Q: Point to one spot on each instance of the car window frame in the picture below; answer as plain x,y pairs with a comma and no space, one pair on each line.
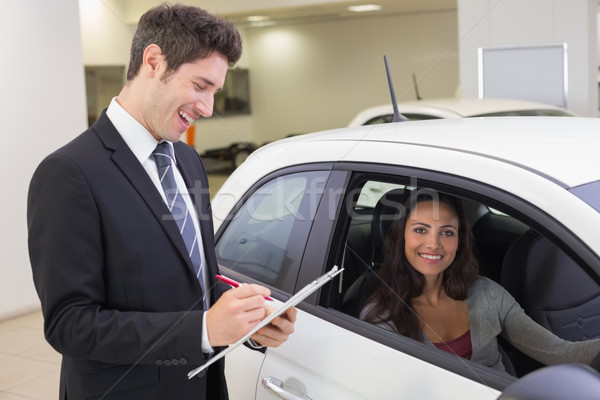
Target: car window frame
346,174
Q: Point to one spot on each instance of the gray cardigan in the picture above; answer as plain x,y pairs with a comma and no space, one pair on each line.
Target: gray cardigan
493,311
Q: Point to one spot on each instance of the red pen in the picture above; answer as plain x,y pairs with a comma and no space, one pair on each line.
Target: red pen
234,284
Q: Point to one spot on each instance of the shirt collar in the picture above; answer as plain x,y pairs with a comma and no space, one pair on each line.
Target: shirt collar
140,141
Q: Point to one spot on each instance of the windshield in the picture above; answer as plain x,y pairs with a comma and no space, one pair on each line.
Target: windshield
590,193
387,118
384,119
527,113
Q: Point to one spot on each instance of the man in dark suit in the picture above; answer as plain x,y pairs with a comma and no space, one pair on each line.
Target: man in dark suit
122,298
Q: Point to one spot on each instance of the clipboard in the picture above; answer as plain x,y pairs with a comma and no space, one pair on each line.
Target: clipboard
292,301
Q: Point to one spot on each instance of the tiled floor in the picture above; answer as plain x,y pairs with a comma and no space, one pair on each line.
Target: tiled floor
29,367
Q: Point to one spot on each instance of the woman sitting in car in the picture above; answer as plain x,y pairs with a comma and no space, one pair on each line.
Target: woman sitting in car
428,288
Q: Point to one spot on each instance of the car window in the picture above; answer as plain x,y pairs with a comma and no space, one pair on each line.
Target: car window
511,251
266,237
381,119
372,191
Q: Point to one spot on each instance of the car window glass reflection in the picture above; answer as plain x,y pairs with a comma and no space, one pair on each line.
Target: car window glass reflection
267,235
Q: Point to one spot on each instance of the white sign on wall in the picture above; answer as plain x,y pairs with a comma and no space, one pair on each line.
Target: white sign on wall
536,73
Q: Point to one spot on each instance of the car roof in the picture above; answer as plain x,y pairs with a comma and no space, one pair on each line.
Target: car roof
454,108
562,149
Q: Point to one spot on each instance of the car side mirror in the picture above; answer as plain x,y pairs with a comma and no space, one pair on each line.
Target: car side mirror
558,382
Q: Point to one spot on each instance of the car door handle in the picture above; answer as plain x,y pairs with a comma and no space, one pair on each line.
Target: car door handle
275,386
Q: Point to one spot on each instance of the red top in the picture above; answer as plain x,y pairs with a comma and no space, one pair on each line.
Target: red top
461,346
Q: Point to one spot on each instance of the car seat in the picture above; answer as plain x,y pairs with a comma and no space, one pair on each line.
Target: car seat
493,235
388,208
552,289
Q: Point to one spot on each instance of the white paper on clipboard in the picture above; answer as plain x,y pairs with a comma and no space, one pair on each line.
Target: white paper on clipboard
292,301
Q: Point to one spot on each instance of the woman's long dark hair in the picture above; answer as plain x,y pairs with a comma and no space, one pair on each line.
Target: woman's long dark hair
397,282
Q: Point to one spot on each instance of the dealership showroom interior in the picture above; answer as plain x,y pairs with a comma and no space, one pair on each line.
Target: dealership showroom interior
354,69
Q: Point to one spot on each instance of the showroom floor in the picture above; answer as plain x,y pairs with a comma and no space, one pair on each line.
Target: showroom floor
29,367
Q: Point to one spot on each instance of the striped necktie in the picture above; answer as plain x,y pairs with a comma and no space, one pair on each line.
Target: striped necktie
179,211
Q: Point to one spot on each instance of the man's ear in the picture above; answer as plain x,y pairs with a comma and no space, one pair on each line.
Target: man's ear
152,60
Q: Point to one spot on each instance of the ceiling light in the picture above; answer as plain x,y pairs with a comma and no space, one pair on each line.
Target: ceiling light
257,18
262,24
364,8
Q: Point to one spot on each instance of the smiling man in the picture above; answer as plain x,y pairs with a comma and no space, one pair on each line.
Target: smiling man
121,235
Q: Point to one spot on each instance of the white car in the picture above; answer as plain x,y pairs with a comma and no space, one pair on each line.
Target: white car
299,206
457,108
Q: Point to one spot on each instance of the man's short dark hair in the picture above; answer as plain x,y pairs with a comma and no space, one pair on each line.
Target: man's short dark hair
184,34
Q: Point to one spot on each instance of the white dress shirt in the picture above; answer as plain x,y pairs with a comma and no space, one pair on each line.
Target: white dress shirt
142,144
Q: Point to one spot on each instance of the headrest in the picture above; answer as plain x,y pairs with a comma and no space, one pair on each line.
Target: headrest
388,209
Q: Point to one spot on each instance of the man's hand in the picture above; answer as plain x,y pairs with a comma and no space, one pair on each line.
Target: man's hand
235,314
278,330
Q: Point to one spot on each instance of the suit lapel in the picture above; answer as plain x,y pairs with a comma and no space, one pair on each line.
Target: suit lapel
135,173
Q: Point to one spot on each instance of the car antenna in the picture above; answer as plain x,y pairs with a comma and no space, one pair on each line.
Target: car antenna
397,116
416,86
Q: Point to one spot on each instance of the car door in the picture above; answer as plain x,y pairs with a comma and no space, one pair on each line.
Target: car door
322,360
263,241
333,354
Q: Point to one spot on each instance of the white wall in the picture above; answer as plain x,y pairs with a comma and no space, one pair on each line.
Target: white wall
105,35
42,106
135,8
534,22
302,89
309,77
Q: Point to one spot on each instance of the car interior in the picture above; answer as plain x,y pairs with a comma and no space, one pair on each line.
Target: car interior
551,287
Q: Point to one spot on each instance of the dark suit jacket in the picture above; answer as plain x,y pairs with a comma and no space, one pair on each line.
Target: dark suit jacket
119,295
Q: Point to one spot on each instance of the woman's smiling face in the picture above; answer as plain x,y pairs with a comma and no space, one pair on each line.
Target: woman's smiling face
431,237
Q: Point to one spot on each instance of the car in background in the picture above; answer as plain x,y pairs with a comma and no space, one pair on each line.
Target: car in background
233,155
444,108
301,205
